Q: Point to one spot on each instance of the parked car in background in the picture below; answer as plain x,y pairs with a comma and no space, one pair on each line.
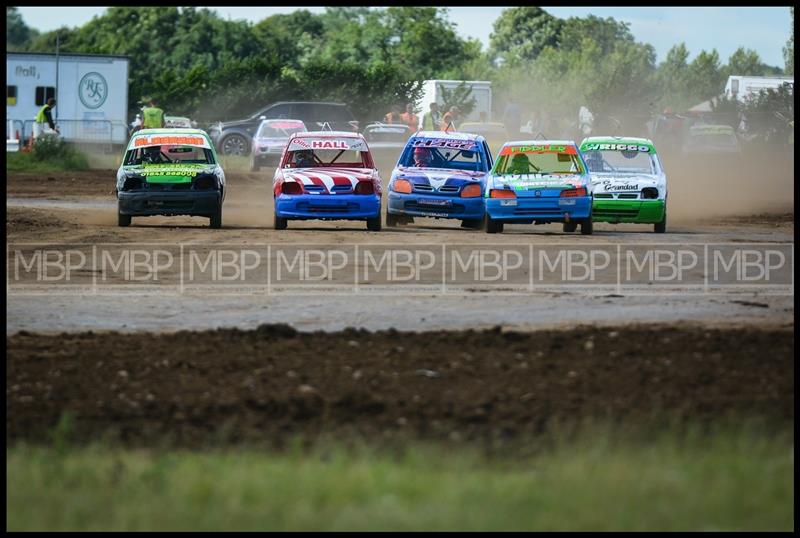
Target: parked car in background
270,140
179,122
329,176
235,137
386,142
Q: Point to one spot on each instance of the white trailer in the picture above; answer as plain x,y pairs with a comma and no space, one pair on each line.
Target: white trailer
744,88
481,91
91,94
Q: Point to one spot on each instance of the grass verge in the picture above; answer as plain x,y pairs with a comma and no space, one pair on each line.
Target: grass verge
732,479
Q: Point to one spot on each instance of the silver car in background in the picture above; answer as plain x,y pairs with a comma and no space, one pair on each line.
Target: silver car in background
270,139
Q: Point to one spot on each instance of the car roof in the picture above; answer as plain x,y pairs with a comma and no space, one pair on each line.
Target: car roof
328,134
617,140
455,135
171,131
540,143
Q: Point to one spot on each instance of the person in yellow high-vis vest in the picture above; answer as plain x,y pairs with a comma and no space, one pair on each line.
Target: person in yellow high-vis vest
152,116
43,123
431,120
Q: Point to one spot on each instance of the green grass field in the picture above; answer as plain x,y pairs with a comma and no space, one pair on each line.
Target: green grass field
731,480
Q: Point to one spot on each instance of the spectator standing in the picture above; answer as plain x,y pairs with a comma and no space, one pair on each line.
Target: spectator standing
153,117
431,119
409,118
43,123
394,116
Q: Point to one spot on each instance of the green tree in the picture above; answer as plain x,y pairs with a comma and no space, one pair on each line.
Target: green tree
522,33
706,78
744,62
18,34
788,50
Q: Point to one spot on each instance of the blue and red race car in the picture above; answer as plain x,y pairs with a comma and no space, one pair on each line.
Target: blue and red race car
440,175
328,175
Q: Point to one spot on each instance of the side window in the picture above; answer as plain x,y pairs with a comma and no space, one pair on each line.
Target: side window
279,112
43,93
11,95
489,162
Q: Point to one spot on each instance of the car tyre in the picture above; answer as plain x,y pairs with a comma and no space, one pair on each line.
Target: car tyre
661,227
235,144
280,223
374,224
216,218
587,226
123,220
492,226
473,224
392,221
570,226
255,166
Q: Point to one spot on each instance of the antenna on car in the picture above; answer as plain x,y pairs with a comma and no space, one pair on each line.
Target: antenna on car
326,126
540,136
447,129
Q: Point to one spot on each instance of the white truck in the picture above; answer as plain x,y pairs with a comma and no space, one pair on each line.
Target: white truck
432,92
91,92
743,88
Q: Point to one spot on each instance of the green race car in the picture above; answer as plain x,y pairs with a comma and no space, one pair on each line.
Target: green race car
629,183
170,172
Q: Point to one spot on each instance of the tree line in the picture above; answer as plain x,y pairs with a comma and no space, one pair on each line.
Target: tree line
203,66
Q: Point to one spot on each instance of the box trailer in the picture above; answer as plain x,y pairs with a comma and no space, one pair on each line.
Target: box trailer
743,88
481,91
91,92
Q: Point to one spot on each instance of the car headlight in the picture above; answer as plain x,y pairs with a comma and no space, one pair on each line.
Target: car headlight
649,193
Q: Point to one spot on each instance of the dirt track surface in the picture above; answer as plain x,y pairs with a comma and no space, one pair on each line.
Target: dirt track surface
79,208
268,385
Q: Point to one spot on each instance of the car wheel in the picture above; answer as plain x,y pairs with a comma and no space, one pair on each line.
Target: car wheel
123,220
235,144
570,226
216,218
473,224
587,227
492,226
255,165
374,224
661,227
392,221
280,223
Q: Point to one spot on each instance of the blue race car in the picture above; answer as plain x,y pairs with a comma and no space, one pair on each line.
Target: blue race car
539,181
440,175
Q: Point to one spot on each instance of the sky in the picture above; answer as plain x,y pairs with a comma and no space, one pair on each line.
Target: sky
763,29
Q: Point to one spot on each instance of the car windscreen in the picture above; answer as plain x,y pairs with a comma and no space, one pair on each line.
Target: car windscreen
444,153
613,161
552,160
310,158
165,154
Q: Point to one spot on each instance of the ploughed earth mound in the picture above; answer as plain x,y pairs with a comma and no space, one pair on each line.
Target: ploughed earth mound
274,383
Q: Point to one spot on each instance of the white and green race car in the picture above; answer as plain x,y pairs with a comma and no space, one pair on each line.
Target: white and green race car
629,184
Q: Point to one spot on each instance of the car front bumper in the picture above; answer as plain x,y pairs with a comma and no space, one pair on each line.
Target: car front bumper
169,203
328,206
527,209
635,211
448,207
